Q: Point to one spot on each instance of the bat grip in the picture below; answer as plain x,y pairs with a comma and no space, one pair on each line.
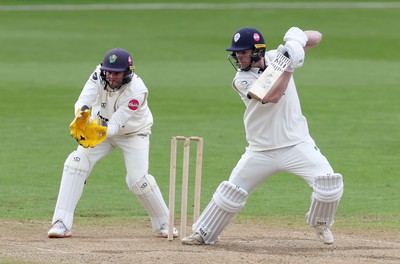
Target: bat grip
286,55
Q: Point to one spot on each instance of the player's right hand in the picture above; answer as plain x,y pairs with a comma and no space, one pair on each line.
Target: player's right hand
295,52
80,122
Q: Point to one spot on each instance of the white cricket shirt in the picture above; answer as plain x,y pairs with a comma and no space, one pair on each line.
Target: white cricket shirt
271,126
126,111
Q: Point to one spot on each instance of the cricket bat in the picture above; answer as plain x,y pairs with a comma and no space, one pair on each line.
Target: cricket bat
267,79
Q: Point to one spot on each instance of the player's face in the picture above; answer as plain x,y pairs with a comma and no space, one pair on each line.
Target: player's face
244,58
114,78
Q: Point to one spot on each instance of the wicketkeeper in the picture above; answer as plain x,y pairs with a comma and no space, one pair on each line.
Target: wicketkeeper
111,111
277,135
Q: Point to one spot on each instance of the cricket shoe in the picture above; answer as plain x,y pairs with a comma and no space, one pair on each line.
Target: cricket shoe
164,231
59,230
324,234
193,239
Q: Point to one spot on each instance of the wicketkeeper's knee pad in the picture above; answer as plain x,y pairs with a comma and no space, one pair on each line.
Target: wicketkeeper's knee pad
227,201
327,192
76,170
77,163
149,195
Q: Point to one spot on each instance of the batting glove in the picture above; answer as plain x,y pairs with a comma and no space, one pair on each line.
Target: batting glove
296,34
295,52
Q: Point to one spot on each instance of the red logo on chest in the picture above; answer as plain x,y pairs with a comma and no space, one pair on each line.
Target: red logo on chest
133,104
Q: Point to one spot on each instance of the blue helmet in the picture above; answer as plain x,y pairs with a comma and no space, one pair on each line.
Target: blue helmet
117,60
245,39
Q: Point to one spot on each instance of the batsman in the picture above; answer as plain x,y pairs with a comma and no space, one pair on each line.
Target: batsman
112,111
277,134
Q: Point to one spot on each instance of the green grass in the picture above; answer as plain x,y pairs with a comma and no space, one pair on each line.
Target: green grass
47,2
348,87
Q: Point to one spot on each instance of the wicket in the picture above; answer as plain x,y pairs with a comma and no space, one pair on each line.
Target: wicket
185,183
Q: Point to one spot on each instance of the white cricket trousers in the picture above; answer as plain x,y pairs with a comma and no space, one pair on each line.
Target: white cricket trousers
135,150
304,160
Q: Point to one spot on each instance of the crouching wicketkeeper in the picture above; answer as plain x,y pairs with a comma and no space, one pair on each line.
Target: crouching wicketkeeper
111,111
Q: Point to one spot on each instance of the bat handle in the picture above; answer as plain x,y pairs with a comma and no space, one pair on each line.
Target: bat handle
286,55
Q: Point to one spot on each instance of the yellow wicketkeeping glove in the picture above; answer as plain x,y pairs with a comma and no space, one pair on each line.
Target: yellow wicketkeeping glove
80,122
94,134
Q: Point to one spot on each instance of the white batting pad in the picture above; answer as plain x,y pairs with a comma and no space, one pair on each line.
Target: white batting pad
150,197
76,170
227,201
327,191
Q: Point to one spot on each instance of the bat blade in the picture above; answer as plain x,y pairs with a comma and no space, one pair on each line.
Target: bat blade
267,79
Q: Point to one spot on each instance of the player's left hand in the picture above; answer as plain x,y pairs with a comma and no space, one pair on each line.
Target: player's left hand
296,34
94,134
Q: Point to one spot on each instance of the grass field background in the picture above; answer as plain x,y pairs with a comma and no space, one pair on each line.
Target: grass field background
349,88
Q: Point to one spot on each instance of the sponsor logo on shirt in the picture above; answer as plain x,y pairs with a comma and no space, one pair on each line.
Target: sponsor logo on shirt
133,104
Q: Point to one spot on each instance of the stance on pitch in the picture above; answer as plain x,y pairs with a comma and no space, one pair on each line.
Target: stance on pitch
278,139
111,111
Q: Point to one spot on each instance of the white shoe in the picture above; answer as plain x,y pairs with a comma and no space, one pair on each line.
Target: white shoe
324,234
59,230
193,239
164,231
